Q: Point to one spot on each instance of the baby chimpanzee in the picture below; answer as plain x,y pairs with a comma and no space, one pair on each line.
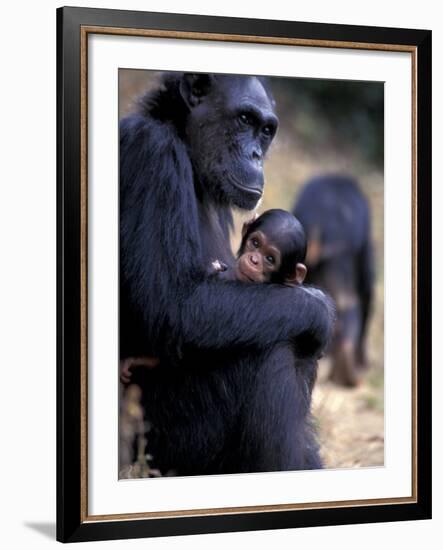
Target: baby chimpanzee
272,250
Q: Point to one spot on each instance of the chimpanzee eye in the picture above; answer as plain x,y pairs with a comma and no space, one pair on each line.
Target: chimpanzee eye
270,259
255,243
246,118
268,131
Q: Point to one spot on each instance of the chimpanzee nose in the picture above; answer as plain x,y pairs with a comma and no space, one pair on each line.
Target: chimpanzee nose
257,154
254,259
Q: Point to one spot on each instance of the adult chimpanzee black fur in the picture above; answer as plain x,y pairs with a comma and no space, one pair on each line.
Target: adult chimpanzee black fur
226,396
336,218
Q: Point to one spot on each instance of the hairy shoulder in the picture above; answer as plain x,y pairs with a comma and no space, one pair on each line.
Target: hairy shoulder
152,155
147,132
158,210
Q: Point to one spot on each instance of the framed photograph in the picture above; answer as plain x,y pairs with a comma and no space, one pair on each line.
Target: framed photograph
244,274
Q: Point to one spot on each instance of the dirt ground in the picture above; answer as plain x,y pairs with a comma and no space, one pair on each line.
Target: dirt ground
350,423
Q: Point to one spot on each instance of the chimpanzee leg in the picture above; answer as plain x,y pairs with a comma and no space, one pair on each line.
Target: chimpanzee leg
275,419
365,288
345,345
235,415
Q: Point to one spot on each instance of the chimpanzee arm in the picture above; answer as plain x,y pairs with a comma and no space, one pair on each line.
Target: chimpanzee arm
220,314
162,269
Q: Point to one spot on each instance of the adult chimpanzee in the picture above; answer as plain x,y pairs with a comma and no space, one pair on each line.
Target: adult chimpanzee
225,396
336,218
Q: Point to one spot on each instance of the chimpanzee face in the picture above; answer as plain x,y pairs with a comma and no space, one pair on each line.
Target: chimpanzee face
259,260
230,126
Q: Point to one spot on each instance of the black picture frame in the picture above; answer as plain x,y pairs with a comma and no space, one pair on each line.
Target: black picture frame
72,521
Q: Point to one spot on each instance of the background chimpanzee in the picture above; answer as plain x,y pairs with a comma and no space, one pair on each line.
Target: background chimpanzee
272,250
225,396
336,218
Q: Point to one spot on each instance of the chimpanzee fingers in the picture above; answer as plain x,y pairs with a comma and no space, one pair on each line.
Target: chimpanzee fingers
148,362
124,379
125,371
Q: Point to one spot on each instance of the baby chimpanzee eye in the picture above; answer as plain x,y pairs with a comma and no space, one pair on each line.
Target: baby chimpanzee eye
270,259
255,243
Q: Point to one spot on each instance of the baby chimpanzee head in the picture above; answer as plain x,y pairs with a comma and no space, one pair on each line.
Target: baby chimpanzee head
273,249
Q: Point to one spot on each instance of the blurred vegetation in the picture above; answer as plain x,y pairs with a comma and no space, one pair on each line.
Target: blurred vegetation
334,114
326,126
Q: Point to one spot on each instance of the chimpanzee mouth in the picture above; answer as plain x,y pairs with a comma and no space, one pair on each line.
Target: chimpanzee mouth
244,276
252,190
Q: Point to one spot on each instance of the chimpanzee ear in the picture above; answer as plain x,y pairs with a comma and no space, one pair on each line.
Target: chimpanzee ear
194,87
298,276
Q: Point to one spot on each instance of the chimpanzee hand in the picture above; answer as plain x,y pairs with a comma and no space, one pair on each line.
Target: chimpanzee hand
126,366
